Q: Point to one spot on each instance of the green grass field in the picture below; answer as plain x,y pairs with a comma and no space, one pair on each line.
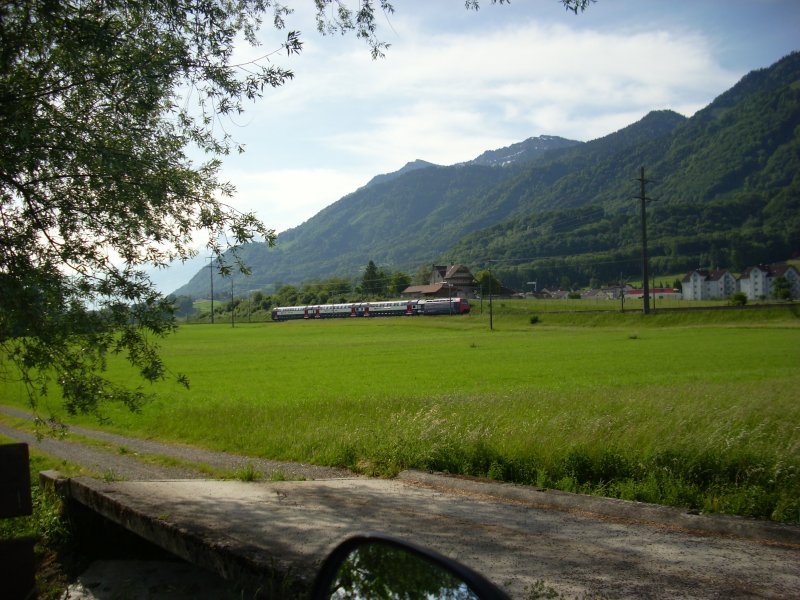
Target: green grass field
693,409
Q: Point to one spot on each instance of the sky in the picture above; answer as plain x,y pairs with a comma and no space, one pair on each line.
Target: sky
455,83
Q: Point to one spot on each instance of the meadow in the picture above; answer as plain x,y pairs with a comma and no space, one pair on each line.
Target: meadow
697,409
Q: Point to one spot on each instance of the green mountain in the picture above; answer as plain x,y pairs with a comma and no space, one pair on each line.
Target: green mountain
725,189
409,167
725,185
523,152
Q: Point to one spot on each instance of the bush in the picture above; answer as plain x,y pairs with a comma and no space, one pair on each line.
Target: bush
738,299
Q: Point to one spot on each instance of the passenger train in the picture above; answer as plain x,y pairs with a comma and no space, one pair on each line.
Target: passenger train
387,308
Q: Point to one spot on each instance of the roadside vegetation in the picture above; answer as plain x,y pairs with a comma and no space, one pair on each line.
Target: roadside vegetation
56,558
696,409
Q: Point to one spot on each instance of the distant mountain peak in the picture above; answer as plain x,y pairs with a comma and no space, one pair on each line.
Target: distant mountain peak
522,152
414,165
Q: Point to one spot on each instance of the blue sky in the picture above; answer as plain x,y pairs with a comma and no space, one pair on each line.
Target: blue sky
455,83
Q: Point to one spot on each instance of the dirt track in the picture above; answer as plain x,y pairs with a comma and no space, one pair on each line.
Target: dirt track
504,532
126,458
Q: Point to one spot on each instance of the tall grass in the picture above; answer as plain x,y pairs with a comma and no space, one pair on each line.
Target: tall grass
696,410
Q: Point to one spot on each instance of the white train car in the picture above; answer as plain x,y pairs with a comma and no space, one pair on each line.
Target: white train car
383,308
443,306
387,308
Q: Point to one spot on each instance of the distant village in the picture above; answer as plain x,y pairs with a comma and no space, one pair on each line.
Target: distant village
760,282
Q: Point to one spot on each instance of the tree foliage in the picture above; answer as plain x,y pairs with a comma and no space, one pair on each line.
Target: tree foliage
782,288
183,306
104,109
95,181
574,6
381,570
488,283
738,299
102,106
374,281
398,282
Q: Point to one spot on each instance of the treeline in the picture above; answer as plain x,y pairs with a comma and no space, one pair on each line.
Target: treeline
593,244
374,283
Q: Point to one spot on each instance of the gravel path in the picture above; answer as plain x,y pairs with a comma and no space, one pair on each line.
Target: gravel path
505,532
133,459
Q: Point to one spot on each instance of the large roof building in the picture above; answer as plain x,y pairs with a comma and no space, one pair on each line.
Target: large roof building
445,282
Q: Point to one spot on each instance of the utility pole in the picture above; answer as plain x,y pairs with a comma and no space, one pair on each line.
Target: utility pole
645,277
211,272
654,291
491,313
450,296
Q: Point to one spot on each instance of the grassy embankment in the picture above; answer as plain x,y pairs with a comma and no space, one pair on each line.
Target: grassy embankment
696,409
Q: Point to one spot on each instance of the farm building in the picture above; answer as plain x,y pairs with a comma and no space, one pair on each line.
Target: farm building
445,282
659,293
604,294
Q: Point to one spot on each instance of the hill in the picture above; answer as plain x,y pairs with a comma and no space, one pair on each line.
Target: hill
726,183
408,168
523,152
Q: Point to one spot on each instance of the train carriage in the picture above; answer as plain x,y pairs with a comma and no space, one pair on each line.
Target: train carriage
444,306
383,308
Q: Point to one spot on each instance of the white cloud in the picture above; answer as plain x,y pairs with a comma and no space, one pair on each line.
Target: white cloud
284,198
447,97
457,93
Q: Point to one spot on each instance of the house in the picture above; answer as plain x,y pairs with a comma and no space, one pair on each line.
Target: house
445,282
708,285
435,290
655,293
759,281
555,294
607,293
457,276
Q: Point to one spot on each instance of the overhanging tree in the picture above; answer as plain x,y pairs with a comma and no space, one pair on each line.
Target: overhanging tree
101,105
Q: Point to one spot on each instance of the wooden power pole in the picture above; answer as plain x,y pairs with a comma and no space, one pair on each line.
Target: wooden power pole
211,272
645,275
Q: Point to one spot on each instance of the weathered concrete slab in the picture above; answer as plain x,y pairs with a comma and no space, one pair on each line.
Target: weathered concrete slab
623,511
275,534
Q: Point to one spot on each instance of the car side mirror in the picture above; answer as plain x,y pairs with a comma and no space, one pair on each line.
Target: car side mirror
377,566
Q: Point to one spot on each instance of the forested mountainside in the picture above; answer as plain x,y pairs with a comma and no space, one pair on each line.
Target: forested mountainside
411,166
725,189
725,185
